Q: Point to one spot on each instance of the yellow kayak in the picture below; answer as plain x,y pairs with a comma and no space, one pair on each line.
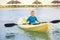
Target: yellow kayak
43,27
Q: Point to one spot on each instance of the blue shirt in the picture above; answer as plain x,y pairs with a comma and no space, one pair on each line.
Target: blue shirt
32,20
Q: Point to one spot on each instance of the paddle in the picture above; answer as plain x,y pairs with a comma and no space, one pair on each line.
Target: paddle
13,24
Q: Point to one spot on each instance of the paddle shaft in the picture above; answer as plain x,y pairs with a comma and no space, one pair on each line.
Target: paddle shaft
13,24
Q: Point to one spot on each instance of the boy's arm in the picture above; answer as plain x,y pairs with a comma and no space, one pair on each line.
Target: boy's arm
37,20
27,21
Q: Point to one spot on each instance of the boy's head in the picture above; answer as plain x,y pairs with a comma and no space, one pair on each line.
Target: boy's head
32,13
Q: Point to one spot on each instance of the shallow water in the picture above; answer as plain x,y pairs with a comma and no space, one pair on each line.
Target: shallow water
14,33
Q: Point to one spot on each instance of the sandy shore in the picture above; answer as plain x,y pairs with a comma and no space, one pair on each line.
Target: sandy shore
27,8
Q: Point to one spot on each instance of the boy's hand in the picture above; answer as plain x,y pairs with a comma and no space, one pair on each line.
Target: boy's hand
25,23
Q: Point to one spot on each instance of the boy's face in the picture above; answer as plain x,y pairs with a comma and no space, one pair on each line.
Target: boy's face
33,13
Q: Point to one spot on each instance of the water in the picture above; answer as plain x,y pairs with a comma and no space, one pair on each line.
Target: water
14,33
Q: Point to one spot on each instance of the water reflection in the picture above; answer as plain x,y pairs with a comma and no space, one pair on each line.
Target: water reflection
38,36
10,36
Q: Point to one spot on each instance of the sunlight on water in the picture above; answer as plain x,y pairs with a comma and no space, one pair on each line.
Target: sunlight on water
14,33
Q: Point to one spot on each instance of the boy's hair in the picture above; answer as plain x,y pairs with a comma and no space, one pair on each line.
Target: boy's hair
32,11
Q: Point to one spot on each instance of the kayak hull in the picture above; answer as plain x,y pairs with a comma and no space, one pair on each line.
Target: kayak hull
43,27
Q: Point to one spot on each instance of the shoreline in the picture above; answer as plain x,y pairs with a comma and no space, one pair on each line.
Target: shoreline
27,6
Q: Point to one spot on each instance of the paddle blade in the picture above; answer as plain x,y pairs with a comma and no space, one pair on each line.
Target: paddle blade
55,21
10,24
